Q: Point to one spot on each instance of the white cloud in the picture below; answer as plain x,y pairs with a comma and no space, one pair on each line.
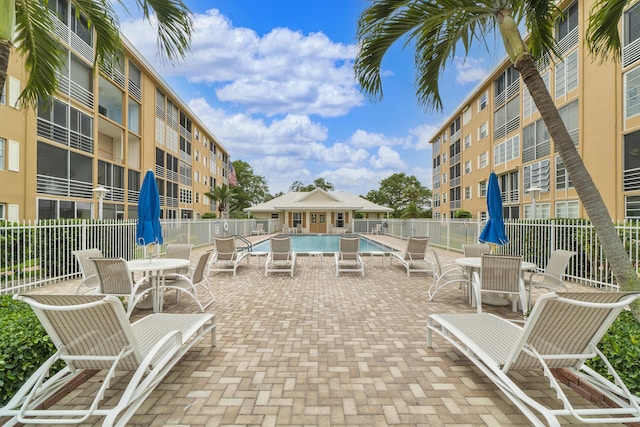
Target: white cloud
424,134
469,70
362,138
282,72
388,158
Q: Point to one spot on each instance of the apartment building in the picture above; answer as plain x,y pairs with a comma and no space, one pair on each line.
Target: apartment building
103,129
498,128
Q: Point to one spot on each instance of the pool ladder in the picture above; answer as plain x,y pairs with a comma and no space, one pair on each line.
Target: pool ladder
249,245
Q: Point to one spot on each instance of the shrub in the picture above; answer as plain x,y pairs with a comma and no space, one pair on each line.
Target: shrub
24,343
621,345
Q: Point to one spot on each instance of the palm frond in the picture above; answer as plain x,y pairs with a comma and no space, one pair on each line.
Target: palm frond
43,55
104,20
174,26
603,37
540,18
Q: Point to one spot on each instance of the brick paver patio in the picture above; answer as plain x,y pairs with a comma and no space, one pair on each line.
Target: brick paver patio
316,349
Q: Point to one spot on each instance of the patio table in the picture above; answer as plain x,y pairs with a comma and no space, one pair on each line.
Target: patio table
473,264
156,268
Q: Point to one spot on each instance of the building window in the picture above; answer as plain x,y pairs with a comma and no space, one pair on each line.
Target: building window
467,193
566,73
506,151
632,92
631,174
275,216
566,209
482,102
632,206
569,115
536,141
467,141
506,85
454,128
483,160
631,30
483,130
542,211
567,22
297,219
537,175
482,189
528,106
467,167
444,177
509,188
466,116
506,119
3,150
563,181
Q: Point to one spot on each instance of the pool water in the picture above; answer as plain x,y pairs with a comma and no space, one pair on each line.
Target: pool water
321,243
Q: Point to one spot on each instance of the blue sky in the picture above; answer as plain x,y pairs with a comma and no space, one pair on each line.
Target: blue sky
273,80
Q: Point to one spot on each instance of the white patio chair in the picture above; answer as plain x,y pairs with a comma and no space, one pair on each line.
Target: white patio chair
92,332
191,282
414,256
475,250
348,257
551,277
179,251
280,259
562,331
90,279
445,275
499,274
377,229
116,279
226,256
259,229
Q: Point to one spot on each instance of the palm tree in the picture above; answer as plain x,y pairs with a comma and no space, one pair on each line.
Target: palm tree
221,195
43,54
437,27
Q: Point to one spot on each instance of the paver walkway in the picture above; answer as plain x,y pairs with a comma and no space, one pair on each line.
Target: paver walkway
317,350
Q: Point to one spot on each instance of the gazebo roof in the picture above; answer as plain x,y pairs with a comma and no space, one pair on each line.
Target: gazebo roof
318,199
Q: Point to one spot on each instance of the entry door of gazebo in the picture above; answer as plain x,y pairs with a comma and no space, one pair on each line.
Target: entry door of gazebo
318,222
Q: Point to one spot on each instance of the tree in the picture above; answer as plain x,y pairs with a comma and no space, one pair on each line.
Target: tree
317,183
436,28
222,195
251,189
398,191
43,53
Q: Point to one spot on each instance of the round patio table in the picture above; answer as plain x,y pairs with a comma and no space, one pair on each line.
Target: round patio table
156,268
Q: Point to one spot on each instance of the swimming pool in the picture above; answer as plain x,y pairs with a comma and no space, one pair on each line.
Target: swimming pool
321,243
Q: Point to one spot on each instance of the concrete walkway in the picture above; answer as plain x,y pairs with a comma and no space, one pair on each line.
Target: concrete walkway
316,349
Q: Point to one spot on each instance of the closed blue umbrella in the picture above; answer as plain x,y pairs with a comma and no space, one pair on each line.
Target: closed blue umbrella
148,228
494,231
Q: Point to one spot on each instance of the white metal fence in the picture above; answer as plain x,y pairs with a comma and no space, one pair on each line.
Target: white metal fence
37,254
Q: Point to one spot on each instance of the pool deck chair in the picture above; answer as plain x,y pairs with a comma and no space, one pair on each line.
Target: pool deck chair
92,332
193,280
414,256
280,259
445,275
226,257
499,275
90,280
562,331
475,249
551,277
348,257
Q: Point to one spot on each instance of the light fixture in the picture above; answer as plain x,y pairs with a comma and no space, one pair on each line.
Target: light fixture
535,194
100,192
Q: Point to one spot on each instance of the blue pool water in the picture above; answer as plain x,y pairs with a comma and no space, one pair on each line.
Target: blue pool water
321,243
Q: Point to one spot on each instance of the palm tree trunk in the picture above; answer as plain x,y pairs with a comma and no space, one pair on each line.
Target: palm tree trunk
613,248
5,50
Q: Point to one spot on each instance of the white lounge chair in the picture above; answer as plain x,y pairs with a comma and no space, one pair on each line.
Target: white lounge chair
414,256
259,229
562,331
226,256
348,257
280,259
445,275
90,279
192,281
377,229
499,274
92,332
